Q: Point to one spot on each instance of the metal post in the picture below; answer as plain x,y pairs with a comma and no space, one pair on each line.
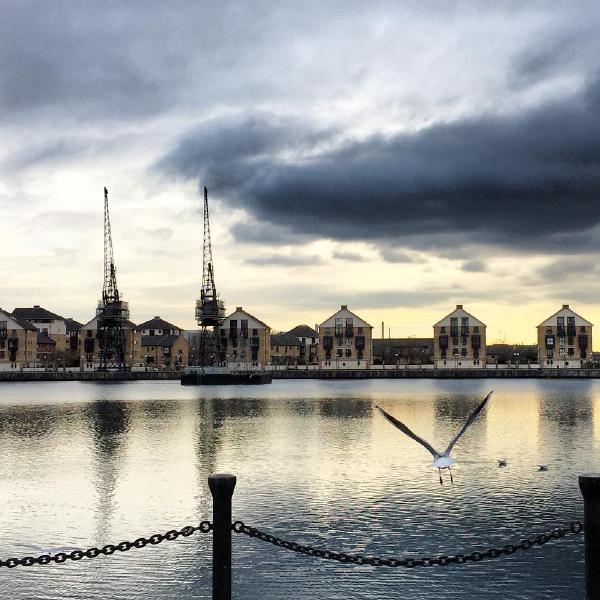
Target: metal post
590,489
221,487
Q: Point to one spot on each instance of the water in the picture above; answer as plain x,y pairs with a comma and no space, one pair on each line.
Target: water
88,464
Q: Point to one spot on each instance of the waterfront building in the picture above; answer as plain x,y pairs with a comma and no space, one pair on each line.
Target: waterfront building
163,345
564,340
73,328
47,323
511,354
459,341
89,348
46,348
18,341
245,340
309,340
285,349
345,341
403,351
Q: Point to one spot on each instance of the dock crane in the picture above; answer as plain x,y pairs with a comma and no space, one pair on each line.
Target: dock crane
210,310
112,310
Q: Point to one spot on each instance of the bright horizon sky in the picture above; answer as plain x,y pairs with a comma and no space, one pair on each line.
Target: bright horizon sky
400,159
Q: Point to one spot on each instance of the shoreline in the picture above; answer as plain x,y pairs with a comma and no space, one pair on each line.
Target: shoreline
24,376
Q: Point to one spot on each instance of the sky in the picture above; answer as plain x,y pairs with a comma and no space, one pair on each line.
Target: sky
398,158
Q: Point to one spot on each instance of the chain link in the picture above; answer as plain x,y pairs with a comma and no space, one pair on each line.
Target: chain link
108,549
409,562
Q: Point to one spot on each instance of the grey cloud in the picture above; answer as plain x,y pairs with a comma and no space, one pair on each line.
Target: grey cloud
474,266
284,260
567,268
349,256
396,255
255,232
529,181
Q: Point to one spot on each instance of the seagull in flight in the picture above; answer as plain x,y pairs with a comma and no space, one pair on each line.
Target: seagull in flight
441,460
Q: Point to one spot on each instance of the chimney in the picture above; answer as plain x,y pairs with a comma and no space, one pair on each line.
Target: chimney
382,330
36,306
459,306
565,306
344,307
157,317
238,308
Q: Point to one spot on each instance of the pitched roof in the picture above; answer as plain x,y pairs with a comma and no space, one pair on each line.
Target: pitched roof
36,313
73,325
126,323
239,309
44,340
160,340
301,331
565,310
344,309
24,323
285,339
158,323
459,309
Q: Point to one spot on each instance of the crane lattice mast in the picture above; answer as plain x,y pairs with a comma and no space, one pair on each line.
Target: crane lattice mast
112,311
210,310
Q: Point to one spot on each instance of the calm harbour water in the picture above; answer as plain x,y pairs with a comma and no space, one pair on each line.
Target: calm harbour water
86,464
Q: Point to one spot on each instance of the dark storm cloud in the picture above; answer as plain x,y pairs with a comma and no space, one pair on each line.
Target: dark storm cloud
397,255
349,256
255,232
284,260
529,181
474,266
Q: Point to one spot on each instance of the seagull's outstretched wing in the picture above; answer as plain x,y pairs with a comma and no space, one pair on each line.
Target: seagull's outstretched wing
404,429
468,422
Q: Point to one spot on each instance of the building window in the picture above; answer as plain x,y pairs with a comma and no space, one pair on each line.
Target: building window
463,351
475,328
443,329
454,326
348,353
339,353
454,351
339,327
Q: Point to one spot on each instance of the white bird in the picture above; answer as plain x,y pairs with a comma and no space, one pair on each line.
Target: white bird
502,462
441,460
542,467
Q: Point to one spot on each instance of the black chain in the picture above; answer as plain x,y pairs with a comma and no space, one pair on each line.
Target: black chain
61,557
359,559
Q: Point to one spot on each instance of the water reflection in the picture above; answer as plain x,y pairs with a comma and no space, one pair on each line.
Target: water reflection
109,423
315,462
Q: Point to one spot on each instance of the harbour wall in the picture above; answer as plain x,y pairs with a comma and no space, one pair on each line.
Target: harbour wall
315,374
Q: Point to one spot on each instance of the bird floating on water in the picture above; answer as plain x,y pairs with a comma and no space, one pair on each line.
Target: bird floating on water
542,467
441,460
502,462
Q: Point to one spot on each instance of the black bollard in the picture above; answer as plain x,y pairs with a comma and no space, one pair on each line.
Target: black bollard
221,487
590,489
